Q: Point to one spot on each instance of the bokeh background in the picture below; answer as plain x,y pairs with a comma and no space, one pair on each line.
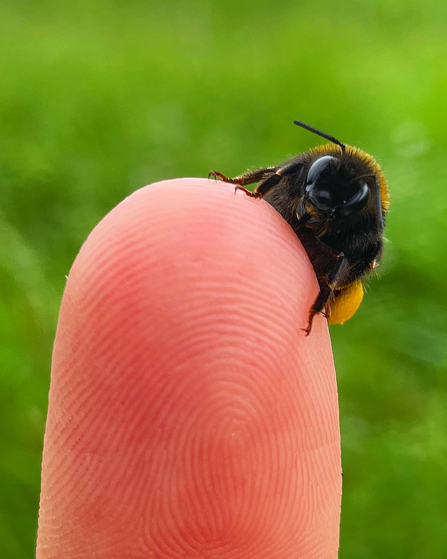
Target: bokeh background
100,97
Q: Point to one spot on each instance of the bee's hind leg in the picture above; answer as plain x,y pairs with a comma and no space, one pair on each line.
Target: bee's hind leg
328,285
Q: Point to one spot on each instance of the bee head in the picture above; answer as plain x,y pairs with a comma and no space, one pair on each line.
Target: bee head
334,189
340,182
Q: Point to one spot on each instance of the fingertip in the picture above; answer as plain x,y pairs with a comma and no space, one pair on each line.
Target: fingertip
184,392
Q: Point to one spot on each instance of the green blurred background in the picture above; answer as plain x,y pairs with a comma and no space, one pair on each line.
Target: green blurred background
98,98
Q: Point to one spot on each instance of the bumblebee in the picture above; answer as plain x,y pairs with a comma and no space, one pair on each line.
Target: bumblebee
335,197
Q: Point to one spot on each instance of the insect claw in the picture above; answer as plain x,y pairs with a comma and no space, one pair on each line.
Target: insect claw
326,312
215,175
307,329
247,192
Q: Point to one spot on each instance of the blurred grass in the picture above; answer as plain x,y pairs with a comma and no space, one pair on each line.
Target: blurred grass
99,98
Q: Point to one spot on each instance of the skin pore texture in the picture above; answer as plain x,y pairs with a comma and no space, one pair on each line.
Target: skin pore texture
189,415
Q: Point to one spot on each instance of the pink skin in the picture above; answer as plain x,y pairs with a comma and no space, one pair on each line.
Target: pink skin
189,415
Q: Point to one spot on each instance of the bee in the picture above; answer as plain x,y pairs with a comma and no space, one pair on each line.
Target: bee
335,197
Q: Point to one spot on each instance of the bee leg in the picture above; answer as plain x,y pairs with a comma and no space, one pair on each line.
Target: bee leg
267,178
328,284
269,182
246,178
326,312
254,176
216,175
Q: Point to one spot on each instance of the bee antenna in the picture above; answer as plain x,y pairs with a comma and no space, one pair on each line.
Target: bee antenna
319,133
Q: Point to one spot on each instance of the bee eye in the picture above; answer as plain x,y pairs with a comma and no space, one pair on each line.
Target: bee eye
318,166
357,201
